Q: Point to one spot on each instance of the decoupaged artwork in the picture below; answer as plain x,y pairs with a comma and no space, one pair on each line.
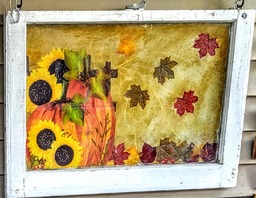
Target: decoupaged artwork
124,101
103,95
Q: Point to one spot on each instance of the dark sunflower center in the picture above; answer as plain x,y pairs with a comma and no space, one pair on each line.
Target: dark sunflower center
64,155
45,138
40,92
58,68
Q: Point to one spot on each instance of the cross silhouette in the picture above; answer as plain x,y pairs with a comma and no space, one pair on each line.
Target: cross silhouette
88,72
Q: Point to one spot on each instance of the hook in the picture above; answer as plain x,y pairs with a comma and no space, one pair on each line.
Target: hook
19,5
15,14
137,6
239,6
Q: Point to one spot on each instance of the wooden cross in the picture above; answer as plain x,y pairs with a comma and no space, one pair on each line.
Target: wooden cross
88,72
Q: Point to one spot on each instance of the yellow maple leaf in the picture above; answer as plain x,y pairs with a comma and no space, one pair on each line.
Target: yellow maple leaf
133,158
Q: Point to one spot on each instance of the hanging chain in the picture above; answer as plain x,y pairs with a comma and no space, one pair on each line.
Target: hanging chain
238,4
15,10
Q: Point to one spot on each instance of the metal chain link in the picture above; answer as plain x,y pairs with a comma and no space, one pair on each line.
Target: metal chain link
238,4
15,10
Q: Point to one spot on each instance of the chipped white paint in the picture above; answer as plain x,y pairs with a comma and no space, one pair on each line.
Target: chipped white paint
22,183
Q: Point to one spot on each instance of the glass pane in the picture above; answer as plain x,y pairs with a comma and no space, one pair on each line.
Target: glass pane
106,95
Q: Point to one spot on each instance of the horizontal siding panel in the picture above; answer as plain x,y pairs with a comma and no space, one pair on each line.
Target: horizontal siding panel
1,157
225,4
246,148
1,19
120,4
250,114
254,44
1,84
1,44
112,5
1,185
1,122
252,79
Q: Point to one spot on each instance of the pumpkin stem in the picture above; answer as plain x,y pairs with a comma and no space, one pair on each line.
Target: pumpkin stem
87,63
65,84
87,68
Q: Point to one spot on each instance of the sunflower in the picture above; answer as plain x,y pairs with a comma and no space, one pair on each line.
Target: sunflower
41,89
41,137
49,59
55,64
65,153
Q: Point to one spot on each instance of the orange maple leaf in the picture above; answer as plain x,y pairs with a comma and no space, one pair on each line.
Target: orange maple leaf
127,46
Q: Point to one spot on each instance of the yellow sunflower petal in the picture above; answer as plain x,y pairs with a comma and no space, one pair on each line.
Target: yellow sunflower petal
41,137
48,59
41,89
65,153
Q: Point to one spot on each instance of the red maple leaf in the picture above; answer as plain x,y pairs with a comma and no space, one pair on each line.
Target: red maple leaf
206,45
208,152
148,153
185,103
118,155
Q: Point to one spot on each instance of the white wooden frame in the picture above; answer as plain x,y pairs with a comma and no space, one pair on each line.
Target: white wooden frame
23,183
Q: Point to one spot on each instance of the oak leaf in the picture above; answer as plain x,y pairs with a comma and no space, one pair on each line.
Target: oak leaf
164,70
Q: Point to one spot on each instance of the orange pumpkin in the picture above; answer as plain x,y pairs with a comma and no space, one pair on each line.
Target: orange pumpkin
96,136
105,113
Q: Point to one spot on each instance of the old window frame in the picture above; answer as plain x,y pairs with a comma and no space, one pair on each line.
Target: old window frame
22,183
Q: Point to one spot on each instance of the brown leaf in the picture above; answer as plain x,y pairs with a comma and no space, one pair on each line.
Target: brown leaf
137,96
170,151
164,70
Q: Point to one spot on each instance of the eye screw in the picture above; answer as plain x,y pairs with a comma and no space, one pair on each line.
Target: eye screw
244,15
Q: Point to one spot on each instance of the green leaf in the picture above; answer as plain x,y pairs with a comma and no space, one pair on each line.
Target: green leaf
78,99
74,61
98,84
73,111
